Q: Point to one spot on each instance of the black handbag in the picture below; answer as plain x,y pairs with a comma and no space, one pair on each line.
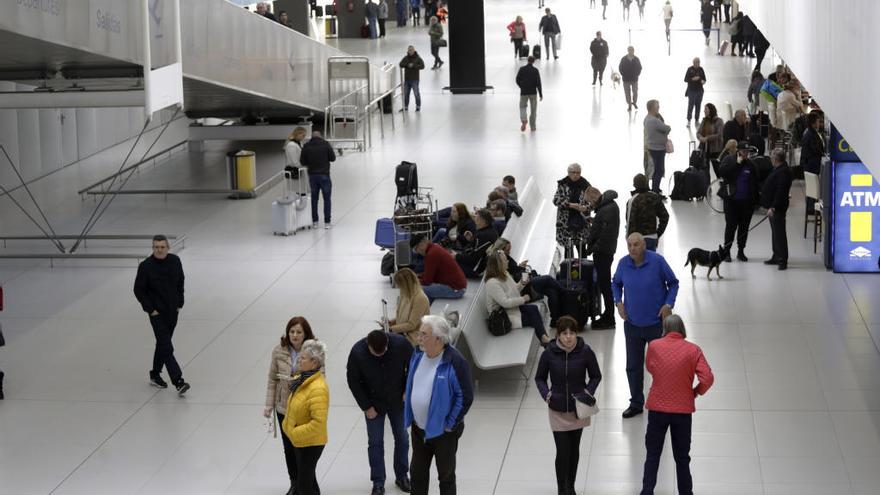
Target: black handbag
499,323
442,42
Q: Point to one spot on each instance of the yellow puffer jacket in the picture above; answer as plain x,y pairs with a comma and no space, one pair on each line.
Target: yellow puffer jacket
306,421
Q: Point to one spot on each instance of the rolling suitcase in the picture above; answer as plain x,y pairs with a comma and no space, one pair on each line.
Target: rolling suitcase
536,51
289,213
578,290
524,50
283,216
406,178
724,46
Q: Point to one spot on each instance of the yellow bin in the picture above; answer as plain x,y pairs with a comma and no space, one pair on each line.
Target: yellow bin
242,168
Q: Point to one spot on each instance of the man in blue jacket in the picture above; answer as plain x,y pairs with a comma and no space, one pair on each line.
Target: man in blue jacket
651,288
439,392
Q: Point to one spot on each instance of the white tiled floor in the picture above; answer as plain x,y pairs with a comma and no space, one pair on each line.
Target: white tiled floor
794,409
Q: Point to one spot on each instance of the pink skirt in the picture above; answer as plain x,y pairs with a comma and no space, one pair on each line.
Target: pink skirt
566,421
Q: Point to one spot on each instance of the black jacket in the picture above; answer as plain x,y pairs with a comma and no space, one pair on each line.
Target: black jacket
694,86
774,194
729,171
812,151
529,81
316,156
475,257
630,70
412,65
599,50
733,130
706,13
761,43
549,24
158,285
379,382
602,238
748,27
568,373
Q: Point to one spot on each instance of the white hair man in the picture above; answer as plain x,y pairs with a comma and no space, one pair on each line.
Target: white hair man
439,392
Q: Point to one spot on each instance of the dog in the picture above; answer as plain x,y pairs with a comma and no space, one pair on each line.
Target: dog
615,79
712,259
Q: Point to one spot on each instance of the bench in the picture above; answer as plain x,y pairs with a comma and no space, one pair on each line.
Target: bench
533,238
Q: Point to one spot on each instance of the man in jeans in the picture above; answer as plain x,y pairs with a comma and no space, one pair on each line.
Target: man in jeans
439,392
549,26
316,155
630,68
442,278
650,287
158,287
602,244
376,371
529,81
411,64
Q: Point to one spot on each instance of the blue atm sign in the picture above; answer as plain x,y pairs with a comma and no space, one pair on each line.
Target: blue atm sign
840,150
856,228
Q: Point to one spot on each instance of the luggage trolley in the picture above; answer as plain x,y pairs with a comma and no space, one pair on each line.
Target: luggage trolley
408,223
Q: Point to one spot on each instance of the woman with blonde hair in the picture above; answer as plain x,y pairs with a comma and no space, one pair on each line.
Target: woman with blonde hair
411,306
517,32
293,148
306,421
503,292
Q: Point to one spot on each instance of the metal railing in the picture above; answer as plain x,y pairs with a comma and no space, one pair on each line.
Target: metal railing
378,104
151,158
178,243
340,108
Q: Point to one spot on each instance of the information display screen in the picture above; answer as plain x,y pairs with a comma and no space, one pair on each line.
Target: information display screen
856,227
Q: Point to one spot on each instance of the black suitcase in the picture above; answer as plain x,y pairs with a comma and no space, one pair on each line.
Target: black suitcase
763,167
579,295
688,185
524,50
697,158
319,10
407,179
536,52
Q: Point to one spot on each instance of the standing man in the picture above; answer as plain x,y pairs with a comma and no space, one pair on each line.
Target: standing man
377,369
401,6
316,155
736,129
656,134
695,77
602,243
549,26
442,278
774,197
383,16
439,392
727,11
529,81
646,213
412,64
761,45
630,69
599,52
650,287
371,11
673,363
158,287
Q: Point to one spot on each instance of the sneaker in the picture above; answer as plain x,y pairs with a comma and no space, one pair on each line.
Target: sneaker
327,226
314,225
157,381
182,388
601,324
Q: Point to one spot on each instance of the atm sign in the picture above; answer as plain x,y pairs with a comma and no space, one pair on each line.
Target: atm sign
856,246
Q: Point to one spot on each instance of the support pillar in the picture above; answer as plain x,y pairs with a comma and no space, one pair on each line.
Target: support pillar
467,47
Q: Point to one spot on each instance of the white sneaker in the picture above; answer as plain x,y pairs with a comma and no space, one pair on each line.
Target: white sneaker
327,226
314,225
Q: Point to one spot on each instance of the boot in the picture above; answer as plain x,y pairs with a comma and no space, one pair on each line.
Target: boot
1,384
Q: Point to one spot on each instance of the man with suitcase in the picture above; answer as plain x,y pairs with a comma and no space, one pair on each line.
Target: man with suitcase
529,81
549,26
317,155
650,287
602,243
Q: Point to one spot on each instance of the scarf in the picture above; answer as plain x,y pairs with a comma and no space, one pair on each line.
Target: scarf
300,379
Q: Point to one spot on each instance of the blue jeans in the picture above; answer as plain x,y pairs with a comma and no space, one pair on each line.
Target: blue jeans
440,291
376,446
414,87
651,243
680,430
695,100
637,339
374,27
440,235
320,184
531,317
659,159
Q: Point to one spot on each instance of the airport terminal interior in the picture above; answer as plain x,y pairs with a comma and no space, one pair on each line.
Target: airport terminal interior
795,354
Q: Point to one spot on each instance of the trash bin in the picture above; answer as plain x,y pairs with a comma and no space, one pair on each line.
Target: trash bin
241,168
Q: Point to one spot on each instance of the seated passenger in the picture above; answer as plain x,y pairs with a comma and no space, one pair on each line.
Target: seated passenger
510,183
472,260
502,291
411,307
544,285
497,209
442,278
512,206
459,222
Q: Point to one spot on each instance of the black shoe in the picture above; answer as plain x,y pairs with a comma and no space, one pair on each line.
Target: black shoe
727,259
741,256
635,104
157,381
2,375
182,388
632,412
603,324
378,490
771,261
404,485
783,265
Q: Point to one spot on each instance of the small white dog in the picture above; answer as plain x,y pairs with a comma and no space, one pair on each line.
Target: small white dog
615,79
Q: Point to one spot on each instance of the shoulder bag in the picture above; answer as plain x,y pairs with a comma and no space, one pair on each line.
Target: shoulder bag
499,323
585,405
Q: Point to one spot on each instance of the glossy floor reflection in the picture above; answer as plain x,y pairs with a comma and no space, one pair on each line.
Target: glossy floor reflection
794,409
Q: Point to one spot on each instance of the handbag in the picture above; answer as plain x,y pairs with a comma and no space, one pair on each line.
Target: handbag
499,322
442,42
585,405
670,148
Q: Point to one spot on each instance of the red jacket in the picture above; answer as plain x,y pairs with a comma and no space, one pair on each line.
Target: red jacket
673,362
441,268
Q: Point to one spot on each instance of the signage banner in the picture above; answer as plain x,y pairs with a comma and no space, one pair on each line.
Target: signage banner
856,226
840,150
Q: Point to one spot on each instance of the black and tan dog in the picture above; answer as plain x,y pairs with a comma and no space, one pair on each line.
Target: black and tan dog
712,259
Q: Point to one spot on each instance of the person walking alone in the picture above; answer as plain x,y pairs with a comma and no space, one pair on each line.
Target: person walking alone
435,32
673,363
695,77
599,59
411,64
158,287
517,30
667,17
656,135
630,69
383,17
317,154
529,81
706,13
774,197
549,27
371,11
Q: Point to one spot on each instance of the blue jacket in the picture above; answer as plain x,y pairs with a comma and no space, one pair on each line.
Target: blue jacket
451,397
648,287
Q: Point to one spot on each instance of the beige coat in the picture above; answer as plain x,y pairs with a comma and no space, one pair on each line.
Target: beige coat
409,316
505,294
276,389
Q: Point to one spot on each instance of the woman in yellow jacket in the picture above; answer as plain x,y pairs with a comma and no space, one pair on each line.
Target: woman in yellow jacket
306,421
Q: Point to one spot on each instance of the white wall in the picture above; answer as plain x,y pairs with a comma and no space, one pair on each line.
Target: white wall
833,47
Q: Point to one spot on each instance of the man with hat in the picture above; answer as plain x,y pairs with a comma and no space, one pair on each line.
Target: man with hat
740,193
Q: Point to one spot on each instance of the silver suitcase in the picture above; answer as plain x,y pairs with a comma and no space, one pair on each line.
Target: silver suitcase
290,212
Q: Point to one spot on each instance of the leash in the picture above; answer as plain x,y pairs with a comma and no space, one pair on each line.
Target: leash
730,244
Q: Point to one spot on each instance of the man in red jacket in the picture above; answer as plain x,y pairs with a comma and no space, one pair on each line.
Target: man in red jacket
442,277
673,362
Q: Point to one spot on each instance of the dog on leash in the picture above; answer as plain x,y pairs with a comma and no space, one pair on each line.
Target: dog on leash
712,259
615,79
